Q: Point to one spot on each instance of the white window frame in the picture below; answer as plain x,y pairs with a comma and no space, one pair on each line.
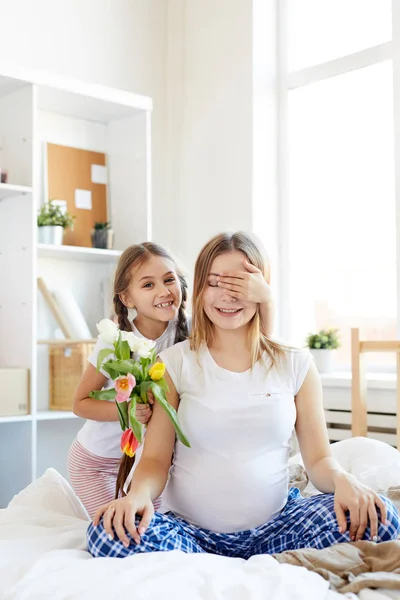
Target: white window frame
288,81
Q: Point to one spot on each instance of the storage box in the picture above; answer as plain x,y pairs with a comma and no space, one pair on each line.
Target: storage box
14,392
67,363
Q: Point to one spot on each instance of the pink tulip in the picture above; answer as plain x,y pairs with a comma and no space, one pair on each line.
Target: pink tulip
124,386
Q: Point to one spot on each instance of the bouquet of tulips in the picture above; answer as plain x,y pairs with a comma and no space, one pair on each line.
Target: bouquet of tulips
133,379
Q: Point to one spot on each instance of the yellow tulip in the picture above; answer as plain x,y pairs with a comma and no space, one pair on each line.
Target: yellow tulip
157,371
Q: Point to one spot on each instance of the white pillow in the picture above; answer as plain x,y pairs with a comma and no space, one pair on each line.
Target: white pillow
374,463
50,493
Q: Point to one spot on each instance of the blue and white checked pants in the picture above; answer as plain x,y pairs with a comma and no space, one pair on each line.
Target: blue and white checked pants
303,523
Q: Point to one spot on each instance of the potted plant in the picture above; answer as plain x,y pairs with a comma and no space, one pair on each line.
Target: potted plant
102,235
52,220
322,346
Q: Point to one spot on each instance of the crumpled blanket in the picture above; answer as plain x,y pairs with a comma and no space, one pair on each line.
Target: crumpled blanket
351,567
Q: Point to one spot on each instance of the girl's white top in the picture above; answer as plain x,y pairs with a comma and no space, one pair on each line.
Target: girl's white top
102,437
235,475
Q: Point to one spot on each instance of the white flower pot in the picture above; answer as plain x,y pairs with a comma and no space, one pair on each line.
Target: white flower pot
51,234
324,360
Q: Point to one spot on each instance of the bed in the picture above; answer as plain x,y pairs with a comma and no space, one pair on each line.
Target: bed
43,555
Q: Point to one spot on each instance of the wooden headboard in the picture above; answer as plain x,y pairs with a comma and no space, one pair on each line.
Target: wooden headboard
359,381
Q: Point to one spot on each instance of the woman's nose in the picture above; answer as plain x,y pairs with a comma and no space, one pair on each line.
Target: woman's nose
226,296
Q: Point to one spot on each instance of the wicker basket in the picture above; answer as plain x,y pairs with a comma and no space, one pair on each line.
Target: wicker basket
67,362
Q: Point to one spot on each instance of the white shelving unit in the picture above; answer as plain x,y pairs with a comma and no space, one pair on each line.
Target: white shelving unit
41,415
8,191
77,253
51,415
36,108
16,419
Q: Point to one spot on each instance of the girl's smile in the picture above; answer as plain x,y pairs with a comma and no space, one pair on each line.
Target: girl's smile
155,291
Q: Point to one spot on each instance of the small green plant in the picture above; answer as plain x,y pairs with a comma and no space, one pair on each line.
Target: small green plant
323,340
52,215
98,225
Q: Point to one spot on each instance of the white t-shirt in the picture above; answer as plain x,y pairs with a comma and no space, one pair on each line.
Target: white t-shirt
235,475
103,438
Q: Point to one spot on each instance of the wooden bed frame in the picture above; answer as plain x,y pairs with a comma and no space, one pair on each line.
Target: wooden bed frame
359,381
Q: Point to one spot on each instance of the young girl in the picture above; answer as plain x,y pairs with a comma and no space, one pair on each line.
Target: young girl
228,493
149,298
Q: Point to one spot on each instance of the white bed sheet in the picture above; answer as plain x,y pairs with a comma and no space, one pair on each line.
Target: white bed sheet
43,555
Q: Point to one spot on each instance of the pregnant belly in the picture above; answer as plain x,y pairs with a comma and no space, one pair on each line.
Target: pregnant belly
224,495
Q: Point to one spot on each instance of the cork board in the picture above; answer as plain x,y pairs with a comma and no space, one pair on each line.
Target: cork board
68,170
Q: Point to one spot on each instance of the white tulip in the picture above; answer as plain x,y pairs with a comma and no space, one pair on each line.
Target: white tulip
108,331
139,346
144,348
130,337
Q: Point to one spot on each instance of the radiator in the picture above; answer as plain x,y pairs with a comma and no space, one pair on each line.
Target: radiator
382,420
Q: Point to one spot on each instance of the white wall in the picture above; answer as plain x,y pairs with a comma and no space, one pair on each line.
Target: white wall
210,78
117,43
221,132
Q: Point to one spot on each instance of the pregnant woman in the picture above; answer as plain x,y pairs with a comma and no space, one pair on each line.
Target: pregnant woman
239,395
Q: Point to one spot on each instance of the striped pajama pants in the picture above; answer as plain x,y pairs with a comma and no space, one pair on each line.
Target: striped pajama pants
93,478
303,523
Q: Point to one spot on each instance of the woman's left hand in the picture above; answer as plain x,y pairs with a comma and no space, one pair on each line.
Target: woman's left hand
248,285
362,503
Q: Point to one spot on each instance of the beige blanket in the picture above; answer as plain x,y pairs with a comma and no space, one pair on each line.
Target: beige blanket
349,567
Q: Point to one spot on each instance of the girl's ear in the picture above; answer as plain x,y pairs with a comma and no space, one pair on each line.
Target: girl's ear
124,297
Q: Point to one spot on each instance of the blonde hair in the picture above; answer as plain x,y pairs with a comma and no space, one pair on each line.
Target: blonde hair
202,327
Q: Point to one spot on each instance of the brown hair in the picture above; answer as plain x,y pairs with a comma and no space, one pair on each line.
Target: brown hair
136,256
202,327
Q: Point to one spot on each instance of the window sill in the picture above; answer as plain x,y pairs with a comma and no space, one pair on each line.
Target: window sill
375,381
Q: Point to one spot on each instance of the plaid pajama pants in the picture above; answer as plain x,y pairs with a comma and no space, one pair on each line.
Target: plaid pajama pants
303,523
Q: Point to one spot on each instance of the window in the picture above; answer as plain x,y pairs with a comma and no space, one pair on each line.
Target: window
322,30
341,228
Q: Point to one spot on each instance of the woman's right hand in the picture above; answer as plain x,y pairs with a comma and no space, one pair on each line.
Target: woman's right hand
121,514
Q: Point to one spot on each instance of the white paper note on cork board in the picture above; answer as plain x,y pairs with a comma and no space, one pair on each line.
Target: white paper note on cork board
99,174
83,199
